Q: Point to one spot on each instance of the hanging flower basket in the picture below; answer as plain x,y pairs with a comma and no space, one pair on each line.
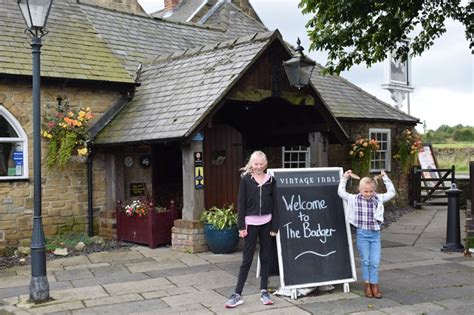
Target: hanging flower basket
360,153
67,133
406,149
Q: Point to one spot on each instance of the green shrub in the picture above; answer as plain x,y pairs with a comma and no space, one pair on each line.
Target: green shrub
220,218
68,240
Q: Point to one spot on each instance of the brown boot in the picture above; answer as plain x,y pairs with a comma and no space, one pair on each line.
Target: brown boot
368,290
376,291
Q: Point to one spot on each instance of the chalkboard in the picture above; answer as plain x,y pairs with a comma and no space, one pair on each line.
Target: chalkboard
314,241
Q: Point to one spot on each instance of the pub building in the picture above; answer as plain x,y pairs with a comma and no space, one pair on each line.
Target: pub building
180,99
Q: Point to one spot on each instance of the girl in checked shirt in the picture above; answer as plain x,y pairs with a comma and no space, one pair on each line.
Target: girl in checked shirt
365,211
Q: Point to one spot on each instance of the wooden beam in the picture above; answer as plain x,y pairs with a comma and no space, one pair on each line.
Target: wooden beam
256,95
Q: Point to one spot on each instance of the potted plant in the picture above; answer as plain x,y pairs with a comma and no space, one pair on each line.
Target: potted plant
220,229
142,222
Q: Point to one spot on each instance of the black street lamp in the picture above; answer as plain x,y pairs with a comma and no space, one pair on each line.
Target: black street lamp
299,68
35,13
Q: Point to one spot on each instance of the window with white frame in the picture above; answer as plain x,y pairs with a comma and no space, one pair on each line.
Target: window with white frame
295,156
13,147
381,159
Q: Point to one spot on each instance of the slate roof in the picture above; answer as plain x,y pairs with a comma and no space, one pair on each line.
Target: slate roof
93,43
72,49
349,101
134,39
161,107
231,18
181,13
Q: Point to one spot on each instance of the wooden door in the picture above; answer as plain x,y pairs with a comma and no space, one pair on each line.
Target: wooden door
223,157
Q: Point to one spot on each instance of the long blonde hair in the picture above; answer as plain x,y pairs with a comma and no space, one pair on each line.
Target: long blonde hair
247,169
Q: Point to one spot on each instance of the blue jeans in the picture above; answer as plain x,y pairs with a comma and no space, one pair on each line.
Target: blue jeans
369,246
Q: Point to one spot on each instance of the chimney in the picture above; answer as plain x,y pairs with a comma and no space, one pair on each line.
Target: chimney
129,6
171,4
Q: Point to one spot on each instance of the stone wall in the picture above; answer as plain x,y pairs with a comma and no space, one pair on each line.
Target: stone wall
64,204
339,154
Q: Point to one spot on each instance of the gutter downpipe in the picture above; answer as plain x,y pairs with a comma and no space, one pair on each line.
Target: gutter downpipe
90,212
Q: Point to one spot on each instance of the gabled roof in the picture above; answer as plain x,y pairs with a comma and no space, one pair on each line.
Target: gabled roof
179,90
348,101
72,49
93,43
134,39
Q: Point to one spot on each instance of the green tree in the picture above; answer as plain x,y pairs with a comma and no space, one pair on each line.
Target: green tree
464,134
356,31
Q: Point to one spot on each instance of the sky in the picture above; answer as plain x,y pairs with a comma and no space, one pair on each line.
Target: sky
442,76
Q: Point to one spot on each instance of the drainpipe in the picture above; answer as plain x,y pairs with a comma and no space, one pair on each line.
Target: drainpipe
89,189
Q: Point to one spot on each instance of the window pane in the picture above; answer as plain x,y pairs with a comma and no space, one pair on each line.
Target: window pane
6,130
380,158
295,156
11,159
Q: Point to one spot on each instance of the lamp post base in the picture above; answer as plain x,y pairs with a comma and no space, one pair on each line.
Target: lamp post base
39,289
452,247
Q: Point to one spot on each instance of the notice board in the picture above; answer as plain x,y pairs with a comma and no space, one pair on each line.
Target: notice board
314,241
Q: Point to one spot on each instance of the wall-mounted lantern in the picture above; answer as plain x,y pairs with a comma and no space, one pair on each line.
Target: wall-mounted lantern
299,68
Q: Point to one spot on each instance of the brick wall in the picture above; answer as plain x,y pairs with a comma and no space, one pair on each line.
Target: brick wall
64,191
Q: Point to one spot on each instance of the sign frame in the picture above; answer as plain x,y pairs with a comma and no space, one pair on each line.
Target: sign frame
344,281
429,162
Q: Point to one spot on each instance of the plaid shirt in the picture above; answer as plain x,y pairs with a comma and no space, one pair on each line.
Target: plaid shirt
365,209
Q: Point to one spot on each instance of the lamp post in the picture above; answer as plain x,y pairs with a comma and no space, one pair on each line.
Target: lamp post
35,13
299,68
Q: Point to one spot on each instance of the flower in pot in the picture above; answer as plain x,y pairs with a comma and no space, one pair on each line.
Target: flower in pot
220,229
141,221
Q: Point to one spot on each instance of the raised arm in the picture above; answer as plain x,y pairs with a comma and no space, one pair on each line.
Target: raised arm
341,190
390,188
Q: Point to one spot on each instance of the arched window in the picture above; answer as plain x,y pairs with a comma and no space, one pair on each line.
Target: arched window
13,147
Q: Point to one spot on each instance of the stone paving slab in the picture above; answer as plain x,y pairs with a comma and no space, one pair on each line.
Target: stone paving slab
63,275
154,265
90,265
193,309
113,300
181,271
202,297
114,257
114,278
344,306
169,292
133,307
204,280
252,304
421,308
138,286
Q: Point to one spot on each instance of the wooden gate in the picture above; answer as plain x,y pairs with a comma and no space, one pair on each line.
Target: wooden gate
223,156
428,186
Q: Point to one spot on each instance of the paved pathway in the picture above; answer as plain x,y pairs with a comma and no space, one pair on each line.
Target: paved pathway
416,278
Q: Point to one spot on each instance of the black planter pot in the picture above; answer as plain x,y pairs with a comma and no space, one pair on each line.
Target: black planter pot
221,241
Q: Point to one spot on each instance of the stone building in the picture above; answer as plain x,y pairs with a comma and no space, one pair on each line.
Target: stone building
193,78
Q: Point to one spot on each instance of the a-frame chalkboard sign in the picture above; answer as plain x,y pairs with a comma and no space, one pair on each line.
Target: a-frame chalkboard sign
314,242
